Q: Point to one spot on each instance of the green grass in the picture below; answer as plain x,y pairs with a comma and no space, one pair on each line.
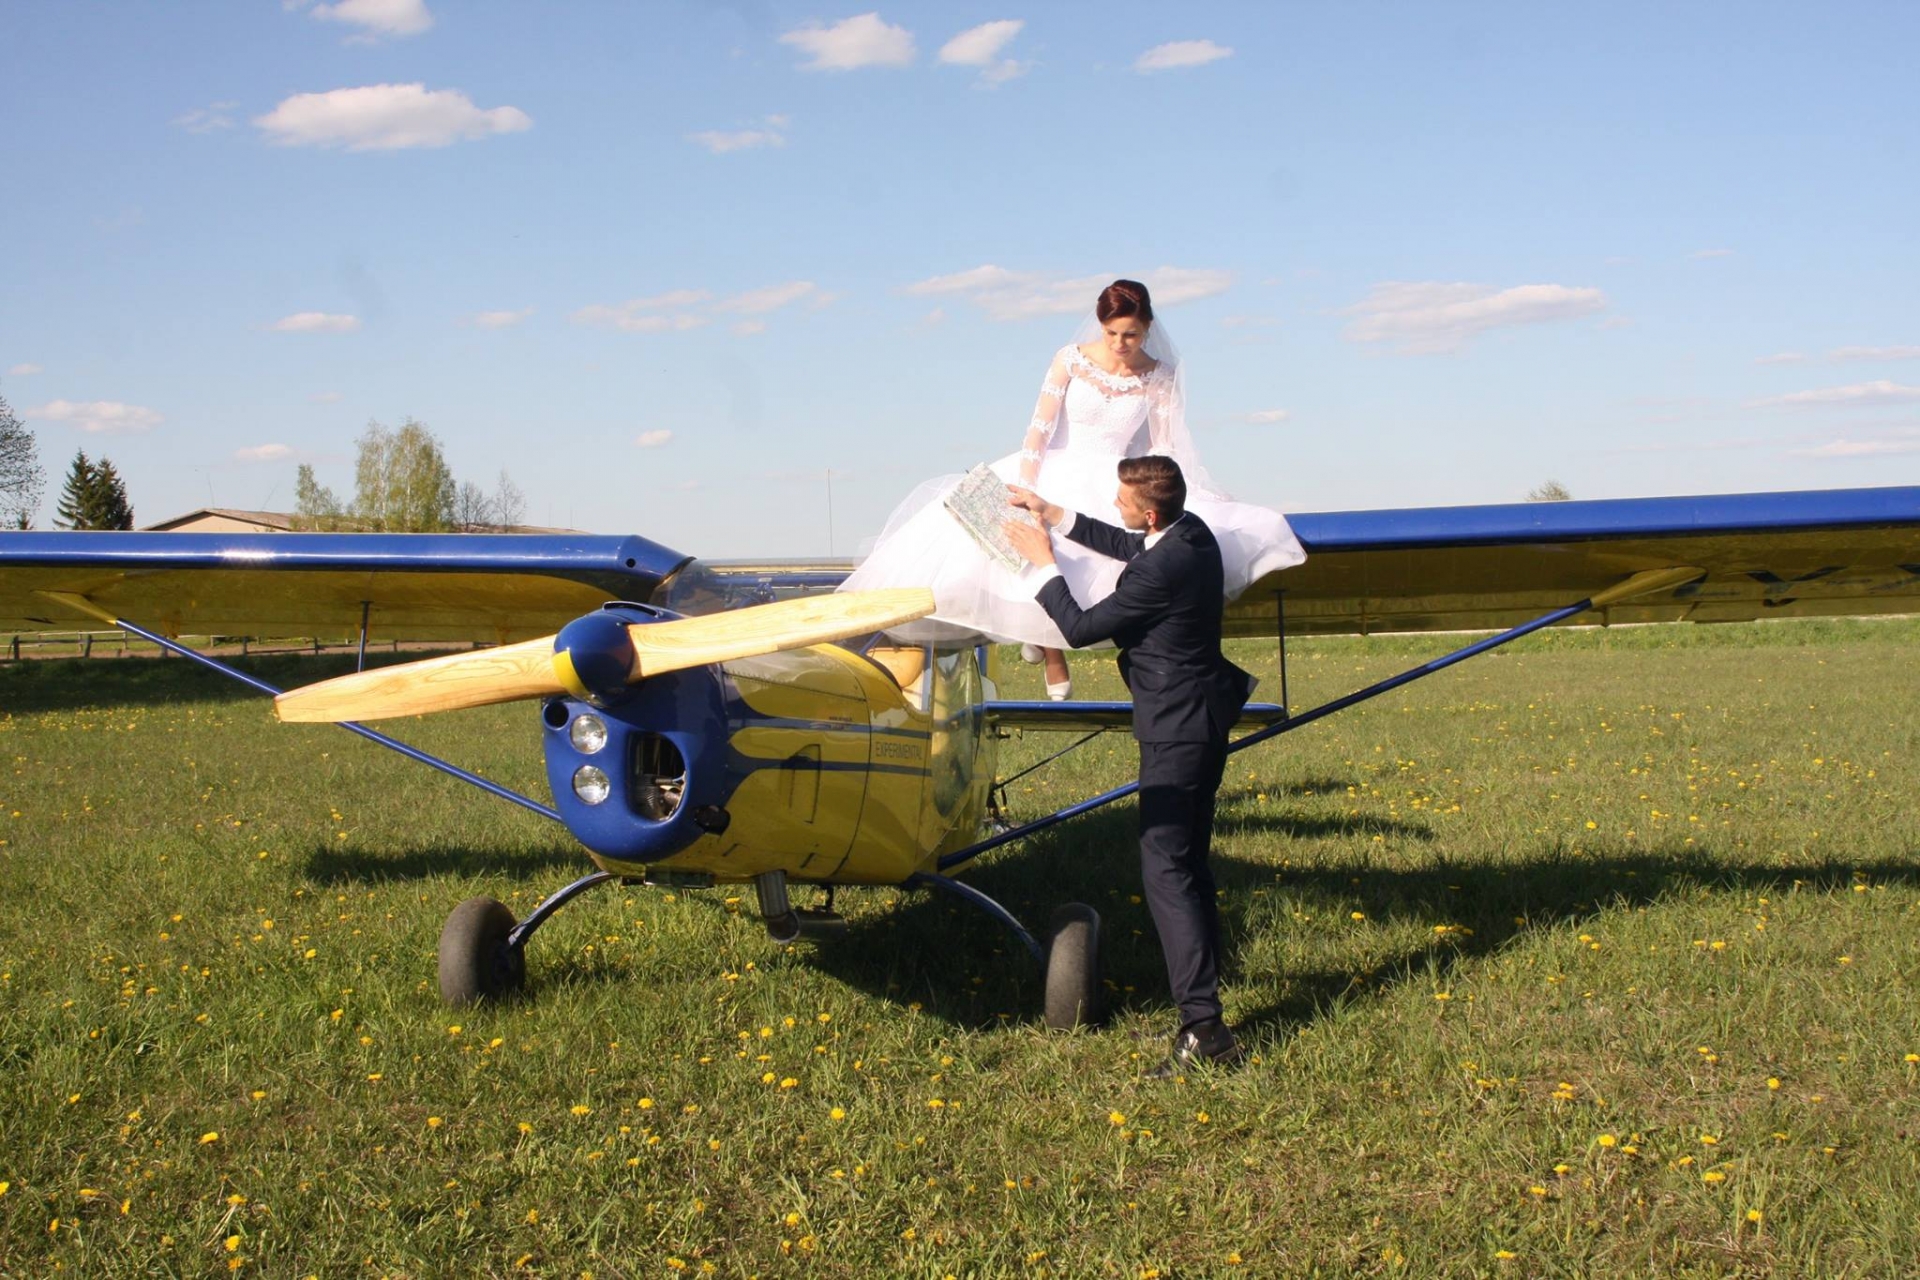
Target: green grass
1584,953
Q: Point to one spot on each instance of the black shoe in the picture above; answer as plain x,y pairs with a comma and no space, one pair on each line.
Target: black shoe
1206,1042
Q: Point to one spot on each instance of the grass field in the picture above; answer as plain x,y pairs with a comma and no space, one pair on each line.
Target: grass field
1600,956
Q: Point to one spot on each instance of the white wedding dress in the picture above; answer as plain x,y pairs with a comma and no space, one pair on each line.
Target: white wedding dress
1086,421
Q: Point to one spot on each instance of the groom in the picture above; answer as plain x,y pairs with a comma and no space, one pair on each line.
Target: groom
1164,614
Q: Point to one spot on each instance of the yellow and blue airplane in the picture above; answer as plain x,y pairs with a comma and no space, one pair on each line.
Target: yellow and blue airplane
734,722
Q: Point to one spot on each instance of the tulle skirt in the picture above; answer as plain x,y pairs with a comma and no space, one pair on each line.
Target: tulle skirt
924,546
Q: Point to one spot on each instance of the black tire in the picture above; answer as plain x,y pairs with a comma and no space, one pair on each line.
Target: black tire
475,961
1075,997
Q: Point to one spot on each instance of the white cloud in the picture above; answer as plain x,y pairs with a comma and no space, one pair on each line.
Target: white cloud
747,328
23,370
316,322
1248,322
386,117
1181,53
720,142
1874,353
1782,357
1436,316
1711,253
1263,417
980,47
1879,392
98,417
208,119
1022,295
863,41
263,453
1861,448
771,298
325,397
378,17
1615,322
500,319
681,309
652,439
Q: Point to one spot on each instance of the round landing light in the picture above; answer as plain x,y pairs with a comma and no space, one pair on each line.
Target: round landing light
590,784
588,733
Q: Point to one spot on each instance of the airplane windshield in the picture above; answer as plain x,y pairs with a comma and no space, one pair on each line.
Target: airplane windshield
702,587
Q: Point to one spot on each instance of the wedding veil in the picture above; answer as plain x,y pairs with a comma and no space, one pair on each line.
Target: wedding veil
1179,445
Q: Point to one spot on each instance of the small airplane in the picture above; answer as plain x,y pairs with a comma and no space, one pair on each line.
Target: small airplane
735,722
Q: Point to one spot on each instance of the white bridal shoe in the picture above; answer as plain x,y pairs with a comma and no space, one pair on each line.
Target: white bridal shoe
1060,692
1032,653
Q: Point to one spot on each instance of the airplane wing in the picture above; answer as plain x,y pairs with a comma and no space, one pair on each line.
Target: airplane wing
1759,555
1800,554
489,588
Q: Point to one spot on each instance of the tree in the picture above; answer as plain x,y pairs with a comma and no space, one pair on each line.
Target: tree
22,482
94,497
509,504
1551,491
472,508
314,506
401,480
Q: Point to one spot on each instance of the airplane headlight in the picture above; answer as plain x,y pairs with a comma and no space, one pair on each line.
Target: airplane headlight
588,734
590,784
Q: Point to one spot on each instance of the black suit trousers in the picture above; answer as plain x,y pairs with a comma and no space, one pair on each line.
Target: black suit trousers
1179,783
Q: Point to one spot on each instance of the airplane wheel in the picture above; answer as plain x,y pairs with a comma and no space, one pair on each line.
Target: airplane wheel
475,961
1073,968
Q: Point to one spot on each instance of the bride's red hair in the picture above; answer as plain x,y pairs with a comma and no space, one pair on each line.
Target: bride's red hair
1124,298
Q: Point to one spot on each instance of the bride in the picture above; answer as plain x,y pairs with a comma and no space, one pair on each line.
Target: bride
1118,390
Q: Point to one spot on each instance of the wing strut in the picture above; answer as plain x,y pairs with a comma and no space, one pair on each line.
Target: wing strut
83,605
1639,584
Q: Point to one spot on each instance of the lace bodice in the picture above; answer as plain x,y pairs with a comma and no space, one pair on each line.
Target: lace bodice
1103,411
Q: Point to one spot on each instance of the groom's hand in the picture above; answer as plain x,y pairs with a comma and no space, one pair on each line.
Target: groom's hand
1049,513
1031,542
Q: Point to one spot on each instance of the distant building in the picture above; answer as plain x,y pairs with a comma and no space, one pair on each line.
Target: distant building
224,520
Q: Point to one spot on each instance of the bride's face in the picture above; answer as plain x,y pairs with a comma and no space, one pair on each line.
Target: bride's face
1123,336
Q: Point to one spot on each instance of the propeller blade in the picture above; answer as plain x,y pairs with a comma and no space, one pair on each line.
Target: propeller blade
771,628
528,669
446,683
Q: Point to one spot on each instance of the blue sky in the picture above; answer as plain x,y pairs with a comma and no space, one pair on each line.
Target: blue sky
669,265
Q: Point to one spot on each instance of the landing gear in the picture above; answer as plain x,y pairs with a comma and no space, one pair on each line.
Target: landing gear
477,959
1073,968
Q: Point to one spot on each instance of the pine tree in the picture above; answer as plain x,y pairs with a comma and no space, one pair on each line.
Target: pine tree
76,497
94,497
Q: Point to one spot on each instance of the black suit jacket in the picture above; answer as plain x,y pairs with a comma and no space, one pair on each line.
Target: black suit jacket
1165,616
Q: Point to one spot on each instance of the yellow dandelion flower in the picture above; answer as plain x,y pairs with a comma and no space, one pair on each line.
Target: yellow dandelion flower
1536,1190
524,1127
645,1104
205,1138
1115,1118
434,1122
936,1103
1709,1140
1754,1215
232,1243
1912,1057
581,1109
1607,1140
1202,1117
1713,1175
788,1083
837,1113
1505,1254
792,1219
1773,1082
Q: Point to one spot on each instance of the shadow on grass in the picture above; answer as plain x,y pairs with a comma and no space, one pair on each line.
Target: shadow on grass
330,866
963,968
67,684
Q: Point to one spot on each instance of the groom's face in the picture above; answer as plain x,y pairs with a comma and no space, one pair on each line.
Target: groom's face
1134,513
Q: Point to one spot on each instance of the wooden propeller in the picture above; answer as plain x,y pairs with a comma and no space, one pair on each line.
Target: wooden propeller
532,668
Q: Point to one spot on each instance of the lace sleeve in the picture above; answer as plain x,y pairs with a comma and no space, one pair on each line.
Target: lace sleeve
1046,419
1162,407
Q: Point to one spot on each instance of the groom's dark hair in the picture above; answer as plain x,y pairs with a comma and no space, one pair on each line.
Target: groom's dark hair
1159,483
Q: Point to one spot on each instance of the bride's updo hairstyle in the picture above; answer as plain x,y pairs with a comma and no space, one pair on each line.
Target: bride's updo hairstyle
1124,298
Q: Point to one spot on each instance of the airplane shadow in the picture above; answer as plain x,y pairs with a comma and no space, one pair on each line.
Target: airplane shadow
960,966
